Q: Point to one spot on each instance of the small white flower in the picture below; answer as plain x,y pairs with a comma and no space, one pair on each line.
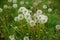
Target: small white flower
42,19
26,38
39,12
12,37
21,2
44,6
57,27
14,1
10,0
5,6
1,9
49,9
16,19
20,16
15,5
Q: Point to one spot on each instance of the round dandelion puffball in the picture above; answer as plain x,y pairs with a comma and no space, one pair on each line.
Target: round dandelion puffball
15,5
44,6
5,6
20,16
39,12
21,9
16,19
32,23
1,10
26,38
12,37
57,27
49,9
43,19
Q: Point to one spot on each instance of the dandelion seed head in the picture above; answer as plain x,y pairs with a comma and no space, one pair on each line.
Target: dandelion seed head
39,12
44,6
12,37
20,16
49,9
58,27
15,5
26,38
5,6
43,19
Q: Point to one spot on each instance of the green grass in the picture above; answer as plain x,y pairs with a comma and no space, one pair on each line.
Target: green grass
45,31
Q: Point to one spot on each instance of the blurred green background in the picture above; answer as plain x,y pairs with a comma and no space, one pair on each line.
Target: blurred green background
7,22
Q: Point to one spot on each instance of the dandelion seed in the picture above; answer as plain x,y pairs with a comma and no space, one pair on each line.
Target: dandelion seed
57,27
1,10
49,9
15,5
26,38
12,37
5,6
44,6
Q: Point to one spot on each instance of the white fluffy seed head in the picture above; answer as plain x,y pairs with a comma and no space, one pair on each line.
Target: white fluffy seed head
58,27
32,23
5,6
20,16
12,37
1,10
39,12
44,6
42,19
49,9
16,19
26,38
22,9
27,15
15,5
